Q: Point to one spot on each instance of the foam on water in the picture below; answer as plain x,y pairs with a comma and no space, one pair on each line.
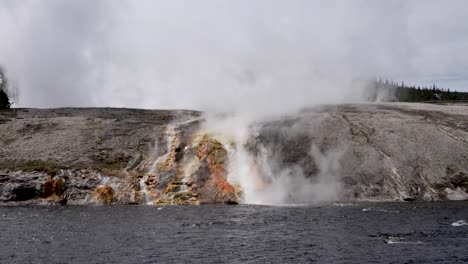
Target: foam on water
380,210
460,223
401,240
343,204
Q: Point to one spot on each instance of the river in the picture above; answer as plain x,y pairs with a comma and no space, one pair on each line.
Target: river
419,232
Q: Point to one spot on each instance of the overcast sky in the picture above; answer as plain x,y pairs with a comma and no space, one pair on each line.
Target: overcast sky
219,54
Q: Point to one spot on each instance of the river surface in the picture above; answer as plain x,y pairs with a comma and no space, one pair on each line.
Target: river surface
338,233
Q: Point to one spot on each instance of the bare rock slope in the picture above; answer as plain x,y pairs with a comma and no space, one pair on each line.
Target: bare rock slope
129,156
376,151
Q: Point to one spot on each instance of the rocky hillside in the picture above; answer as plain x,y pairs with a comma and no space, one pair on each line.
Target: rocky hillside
372,152
127,156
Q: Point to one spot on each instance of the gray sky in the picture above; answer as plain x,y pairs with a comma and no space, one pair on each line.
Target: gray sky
224,55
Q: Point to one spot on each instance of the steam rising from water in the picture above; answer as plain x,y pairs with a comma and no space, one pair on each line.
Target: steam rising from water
291,186
262,179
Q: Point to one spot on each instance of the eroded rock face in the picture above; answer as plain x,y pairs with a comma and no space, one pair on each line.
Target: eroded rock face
192,172
103,195
20,187
52,191
400,152
213,161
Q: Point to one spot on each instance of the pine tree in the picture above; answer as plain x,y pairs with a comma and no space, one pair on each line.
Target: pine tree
4,100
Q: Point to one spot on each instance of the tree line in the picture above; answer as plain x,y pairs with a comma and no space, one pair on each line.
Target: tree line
378,90
399,92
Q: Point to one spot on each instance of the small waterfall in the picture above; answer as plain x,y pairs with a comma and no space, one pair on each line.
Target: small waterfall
169,135
153,170
187,172
104,179
144,191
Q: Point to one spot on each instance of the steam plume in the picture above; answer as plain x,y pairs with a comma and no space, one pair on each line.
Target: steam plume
268,56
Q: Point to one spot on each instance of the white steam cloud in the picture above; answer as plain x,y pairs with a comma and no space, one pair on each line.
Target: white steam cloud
222,55
262,178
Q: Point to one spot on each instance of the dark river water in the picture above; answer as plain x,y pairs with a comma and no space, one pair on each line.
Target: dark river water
339,233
